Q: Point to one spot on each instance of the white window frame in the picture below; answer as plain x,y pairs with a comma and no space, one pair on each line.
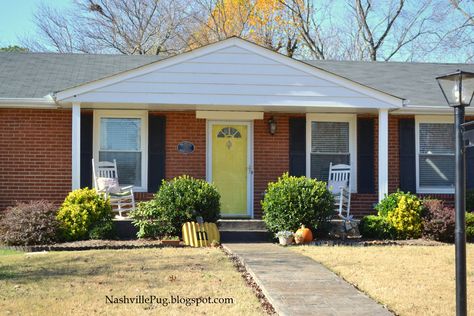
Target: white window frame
428,119
349,118
143,116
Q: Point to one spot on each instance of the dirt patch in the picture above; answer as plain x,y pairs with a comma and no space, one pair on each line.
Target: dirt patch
366,243
240,267
93,245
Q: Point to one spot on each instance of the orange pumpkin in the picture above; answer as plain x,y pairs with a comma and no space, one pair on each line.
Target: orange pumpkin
306,233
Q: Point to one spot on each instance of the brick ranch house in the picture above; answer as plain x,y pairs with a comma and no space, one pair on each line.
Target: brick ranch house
206,113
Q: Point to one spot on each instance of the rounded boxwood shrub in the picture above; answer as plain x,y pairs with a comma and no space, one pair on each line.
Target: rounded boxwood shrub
32,223
294,201
438,221
179,200
84,212
376,227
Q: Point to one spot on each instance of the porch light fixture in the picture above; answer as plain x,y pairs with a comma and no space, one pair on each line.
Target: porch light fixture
458,89
272,125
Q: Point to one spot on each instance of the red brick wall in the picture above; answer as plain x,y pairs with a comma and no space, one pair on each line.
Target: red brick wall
271,155
35,155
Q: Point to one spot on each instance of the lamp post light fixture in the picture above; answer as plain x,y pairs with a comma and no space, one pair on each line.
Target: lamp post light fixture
272,125
458,89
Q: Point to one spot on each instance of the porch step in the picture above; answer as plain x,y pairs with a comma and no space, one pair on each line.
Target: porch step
243,231
241,225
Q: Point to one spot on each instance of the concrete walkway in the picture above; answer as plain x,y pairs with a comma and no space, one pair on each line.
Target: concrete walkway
297,285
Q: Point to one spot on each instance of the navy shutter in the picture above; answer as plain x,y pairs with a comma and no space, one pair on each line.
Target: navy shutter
469,167
365,155
86,149
156,152
406,128
297,146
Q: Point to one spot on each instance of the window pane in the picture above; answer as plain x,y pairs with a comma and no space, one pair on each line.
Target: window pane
320,164
120,134
330,137
129,166
436,170
436,138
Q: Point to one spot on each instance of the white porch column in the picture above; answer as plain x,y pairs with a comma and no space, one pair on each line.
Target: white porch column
383,153
76,146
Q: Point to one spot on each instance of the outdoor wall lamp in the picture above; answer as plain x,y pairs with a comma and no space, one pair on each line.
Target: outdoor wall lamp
458,89
272,125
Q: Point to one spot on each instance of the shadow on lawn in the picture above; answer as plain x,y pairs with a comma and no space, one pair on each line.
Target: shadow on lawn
56,265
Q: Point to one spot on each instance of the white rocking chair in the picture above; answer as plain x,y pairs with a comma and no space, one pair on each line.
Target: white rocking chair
339,183
106,182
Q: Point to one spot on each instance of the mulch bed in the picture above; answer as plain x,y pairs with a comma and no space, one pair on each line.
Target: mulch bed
93,245
367,243
240,267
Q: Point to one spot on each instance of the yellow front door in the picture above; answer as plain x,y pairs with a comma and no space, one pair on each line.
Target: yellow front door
229,167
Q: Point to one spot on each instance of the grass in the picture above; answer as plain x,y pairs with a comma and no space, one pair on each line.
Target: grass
6,252
65,283
410,280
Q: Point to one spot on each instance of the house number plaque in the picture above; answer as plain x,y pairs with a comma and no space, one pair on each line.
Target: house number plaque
185,147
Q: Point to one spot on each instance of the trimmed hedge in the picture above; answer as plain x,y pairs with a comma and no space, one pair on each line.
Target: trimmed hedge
294,201
179,200
438,221
85,214
32,223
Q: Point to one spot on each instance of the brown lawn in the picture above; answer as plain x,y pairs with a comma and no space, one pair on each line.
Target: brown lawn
78,283
410,280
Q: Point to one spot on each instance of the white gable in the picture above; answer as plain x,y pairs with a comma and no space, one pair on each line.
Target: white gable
236,74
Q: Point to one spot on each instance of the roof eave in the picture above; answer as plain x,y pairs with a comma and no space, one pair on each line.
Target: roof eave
29,103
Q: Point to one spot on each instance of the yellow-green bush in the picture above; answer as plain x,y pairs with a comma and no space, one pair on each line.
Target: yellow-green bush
402,213
82,212
406,217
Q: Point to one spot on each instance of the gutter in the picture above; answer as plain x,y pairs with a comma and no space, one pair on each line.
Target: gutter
29,103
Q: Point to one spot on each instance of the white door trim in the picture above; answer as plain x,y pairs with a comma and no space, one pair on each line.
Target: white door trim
250,164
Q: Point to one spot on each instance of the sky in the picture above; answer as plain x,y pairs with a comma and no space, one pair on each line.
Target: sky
16,18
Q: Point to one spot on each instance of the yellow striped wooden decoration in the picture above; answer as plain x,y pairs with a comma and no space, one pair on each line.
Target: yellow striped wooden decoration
196,235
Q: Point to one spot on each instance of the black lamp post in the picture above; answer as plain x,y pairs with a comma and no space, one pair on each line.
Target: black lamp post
458,89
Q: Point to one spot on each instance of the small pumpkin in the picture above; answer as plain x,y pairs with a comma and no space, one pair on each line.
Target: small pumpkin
306,233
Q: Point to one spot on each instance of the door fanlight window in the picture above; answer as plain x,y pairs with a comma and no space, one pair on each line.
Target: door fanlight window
229,132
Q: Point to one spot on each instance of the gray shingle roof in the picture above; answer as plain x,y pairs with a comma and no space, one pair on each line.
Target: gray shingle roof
414,82
35,75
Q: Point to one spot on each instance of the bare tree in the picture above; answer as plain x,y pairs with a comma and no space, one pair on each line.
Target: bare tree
363,29
123,26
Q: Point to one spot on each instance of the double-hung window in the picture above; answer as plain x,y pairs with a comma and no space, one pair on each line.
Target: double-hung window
121,135
435,155
330,139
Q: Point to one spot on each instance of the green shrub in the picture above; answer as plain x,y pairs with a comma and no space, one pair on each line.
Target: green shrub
470,227
438,221
179,200
376,227
402,212
148,218
293,201
82,211
103,230
388,204
32,223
